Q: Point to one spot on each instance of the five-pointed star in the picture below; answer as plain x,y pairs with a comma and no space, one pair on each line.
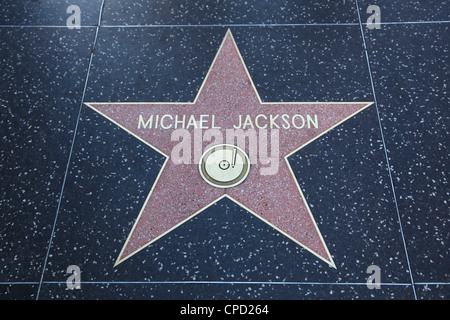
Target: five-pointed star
179,193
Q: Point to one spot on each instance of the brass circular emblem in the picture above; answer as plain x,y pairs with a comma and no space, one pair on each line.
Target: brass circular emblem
224,166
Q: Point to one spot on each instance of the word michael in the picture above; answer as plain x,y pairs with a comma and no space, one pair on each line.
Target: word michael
206,121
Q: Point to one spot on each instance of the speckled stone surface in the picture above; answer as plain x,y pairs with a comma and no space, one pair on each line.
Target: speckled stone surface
225,252
48,12
42,78
185,12
241,292
412,84
413,11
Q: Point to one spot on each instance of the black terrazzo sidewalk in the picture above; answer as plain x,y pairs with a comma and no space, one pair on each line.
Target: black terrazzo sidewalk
73,183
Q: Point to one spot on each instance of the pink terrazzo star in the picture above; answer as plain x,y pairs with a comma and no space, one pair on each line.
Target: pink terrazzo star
180,193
